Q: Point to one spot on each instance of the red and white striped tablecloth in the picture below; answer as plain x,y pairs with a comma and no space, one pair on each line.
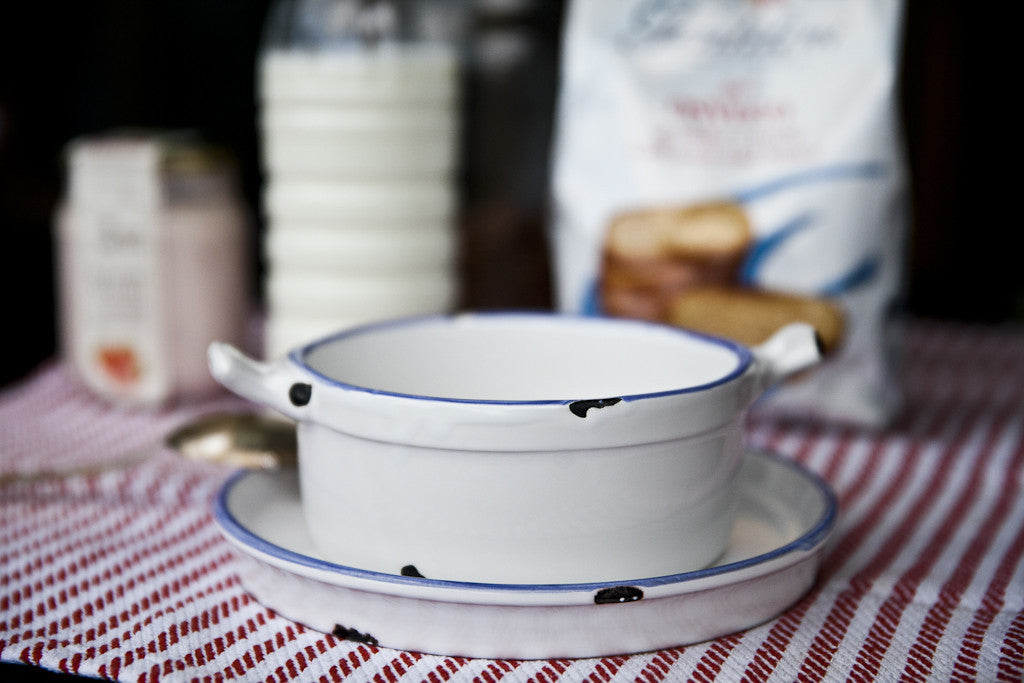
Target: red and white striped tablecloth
123,575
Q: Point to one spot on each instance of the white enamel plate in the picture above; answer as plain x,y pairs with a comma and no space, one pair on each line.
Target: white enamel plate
785,517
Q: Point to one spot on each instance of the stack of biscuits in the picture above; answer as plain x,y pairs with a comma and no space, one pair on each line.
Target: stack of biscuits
682,266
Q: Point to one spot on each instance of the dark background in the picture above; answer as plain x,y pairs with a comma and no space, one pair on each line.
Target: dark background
69,68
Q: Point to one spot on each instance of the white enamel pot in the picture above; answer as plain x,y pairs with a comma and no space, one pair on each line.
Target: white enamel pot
519,447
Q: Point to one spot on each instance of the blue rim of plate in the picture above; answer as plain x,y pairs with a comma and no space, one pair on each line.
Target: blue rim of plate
812,538
743,355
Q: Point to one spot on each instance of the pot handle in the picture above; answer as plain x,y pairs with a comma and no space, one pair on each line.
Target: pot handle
791,349
274,384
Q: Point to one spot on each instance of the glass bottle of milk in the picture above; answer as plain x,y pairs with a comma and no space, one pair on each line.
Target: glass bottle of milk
358,105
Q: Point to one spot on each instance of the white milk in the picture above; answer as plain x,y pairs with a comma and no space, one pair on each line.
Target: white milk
360,148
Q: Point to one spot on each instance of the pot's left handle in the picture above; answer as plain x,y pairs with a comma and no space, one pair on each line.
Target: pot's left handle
274,384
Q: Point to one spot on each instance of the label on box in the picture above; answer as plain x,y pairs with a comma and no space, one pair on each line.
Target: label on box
113,260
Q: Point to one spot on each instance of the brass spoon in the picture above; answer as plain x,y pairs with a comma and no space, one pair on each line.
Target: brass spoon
249,440
253,440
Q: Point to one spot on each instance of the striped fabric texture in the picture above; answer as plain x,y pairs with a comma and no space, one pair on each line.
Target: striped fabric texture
115,568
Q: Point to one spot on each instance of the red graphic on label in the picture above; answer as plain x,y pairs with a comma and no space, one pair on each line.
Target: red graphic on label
120,364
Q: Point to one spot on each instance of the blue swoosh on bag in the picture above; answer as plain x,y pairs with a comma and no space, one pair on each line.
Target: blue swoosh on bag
869,169
768,245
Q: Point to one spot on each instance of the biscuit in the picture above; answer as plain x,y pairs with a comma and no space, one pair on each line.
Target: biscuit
641,304
708,231
643,289
667,274
649,255
750,316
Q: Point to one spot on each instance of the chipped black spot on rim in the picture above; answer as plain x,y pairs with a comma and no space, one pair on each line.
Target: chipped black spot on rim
580,408
819,342
300,393
410,570
617,594
353,635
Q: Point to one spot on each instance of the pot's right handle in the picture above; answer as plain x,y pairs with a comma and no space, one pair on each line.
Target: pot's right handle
792,348
275,384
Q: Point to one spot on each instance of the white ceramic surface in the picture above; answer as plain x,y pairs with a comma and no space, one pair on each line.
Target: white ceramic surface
285,330
474,446
403,202
785,515
306,305
410,74
340,248
359,141
378,294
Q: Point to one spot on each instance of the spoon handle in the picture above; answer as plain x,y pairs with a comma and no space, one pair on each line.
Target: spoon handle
91,470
